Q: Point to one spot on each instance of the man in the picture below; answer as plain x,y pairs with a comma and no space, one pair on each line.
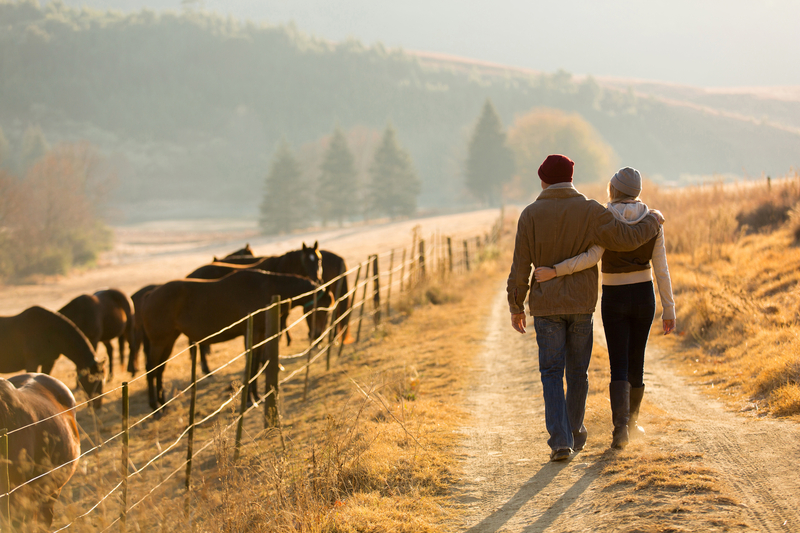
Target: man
560,224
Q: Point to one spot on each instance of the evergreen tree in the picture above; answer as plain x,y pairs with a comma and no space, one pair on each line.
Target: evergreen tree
286,204
490,162
336,195
394,184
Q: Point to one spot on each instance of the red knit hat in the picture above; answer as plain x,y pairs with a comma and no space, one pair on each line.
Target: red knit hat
556,168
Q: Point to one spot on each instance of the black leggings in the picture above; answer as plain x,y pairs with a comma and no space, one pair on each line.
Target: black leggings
628,312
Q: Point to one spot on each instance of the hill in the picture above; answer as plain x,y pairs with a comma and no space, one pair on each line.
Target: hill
190,106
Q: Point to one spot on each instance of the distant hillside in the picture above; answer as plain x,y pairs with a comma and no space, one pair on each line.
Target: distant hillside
190,106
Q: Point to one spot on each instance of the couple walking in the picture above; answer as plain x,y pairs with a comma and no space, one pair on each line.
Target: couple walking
564,234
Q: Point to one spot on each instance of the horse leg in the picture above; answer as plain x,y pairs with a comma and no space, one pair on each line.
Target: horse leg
205,351
121,342
47,366
110,355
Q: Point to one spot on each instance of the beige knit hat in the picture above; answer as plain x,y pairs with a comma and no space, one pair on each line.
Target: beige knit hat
628,180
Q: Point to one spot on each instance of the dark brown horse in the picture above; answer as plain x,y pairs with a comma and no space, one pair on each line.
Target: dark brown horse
36,337
199,308
103,316
25,399
297,262
244,252
138,338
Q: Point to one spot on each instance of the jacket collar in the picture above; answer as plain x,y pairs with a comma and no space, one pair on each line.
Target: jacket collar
558,192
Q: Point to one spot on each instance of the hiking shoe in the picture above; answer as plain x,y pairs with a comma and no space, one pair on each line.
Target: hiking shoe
560,454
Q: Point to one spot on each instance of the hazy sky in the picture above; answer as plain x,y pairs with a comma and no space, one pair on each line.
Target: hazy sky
695,42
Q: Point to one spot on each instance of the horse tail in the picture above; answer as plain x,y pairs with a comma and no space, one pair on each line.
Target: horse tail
62,337
122,301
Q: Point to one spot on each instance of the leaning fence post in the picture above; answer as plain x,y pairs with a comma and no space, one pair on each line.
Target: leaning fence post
363,302
248,370
450,255
123,514
190,436
4,472
350,307
402,270
272,356
389,285
422,258
376,297
466,255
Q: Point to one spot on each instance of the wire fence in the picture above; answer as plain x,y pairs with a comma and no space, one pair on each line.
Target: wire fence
377,279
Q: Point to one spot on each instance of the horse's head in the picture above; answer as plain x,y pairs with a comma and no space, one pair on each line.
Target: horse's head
91,379
311,259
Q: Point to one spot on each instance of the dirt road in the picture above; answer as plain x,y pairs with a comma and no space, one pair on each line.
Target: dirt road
509,485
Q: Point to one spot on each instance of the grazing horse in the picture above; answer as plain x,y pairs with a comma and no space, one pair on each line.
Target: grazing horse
244,252
36,337
24,400
103,316
199,308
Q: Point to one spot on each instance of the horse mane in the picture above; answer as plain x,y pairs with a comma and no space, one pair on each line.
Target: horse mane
75,346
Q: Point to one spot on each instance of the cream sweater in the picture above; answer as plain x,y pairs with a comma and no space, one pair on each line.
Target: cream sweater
629,212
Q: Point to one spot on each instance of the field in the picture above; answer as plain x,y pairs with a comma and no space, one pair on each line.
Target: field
434,421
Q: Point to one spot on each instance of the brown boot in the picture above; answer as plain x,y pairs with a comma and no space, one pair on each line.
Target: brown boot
620,392
634,429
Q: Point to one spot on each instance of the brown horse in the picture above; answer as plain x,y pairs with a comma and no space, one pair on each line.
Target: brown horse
103,316
36,337
297,262
244,252
138,338
200,308
25,399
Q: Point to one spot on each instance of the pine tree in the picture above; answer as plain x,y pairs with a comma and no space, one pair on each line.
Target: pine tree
394,184
336,195
286,204
490,162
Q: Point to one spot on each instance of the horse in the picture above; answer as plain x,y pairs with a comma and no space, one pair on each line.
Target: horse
305,262
298,262
36,337
200,308
103,316
244,252
33,451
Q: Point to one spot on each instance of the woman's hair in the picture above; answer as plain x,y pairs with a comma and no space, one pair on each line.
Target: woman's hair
615,195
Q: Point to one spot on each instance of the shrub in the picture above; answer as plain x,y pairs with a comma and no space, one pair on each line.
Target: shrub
766,216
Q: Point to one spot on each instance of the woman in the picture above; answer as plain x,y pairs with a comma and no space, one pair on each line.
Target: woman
628,304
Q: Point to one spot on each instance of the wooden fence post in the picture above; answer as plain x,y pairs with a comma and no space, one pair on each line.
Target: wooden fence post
389,286
466,255
350,307
422,258
477,249
123,514
4,463
376,297
308,355
272,357
190,436
332,325
248,370
363,301
402,270
450,255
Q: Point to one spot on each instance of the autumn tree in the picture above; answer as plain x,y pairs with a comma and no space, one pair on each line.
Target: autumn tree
490,162
337,189
287,203
543,131
394,185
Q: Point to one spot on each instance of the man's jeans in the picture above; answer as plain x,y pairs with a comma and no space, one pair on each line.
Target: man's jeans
565,343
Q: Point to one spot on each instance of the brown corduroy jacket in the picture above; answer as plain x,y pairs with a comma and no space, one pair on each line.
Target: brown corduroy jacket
560,224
